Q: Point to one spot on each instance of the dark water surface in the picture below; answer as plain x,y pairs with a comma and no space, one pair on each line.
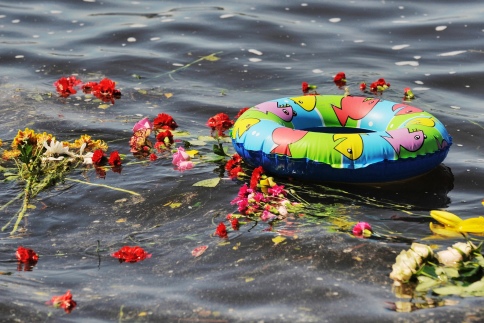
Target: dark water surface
266,49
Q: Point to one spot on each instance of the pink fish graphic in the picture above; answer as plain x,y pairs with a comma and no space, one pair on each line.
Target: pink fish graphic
411,141
405,109
283,137
284,111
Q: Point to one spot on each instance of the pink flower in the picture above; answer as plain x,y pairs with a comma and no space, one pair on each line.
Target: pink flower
185,165
277,190
362,229
144,123
267,216
180,156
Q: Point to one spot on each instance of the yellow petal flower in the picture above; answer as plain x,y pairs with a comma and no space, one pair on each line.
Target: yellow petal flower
446,218
443,231
473,225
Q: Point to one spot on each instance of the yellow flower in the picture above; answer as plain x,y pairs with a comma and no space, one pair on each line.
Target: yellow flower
26,136
446,218
91,144
453,226
10,154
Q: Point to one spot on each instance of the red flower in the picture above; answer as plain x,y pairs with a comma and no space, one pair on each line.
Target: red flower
340,79
408,94
114,159
234,172
131,254
89,87
220,122
164,121
221,231
162,136
241,111
256,175
106,91
362,229
63,301
379,86
235,223
65,86
362,86
97,156
153,157
305,87
26,255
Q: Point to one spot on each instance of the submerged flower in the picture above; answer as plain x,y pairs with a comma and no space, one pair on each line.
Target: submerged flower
221,231
164,121
64,301
362,229
131,254
26,255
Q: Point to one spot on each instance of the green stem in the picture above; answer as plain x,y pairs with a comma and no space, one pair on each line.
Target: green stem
103,185
25,205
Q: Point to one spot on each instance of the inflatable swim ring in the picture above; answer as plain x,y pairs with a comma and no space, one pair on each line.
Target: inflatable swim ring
335,138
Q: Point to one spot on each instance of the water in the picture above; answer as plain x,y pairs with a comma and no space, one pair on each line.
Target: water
266,49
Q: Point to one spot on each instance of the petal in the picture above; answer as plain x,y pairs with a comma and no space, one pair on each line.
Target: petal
446,218
473,225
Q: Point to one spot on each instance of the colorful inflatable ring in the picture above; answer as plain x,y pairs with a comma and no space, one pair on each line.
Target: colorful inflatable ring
335,138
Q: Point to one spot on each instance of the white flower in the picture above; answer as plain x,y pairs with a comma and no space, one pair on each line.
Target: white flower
422,250
56,150
455,254
87,158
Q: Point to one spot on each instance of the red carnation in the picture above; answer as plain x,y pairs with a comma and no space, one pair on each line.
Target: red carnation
63,301
164,121
221,231
235,223
89,87
97,156
379,86
256,175
65,86
362,86
131,254
305,87
106,91
153,156
114,159
220,122
26,255
340,79
162,136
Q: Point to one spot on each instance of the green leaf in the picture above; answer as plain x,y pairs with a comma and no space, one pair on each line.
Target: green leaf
220,150
429,271
449,290
212,182
426,283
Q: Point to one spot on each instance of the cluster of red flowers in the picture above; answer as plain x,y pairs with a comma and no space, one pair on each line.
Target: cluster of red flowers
233,166
131,254
63,301
376,87
105,90
99,159
162,125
